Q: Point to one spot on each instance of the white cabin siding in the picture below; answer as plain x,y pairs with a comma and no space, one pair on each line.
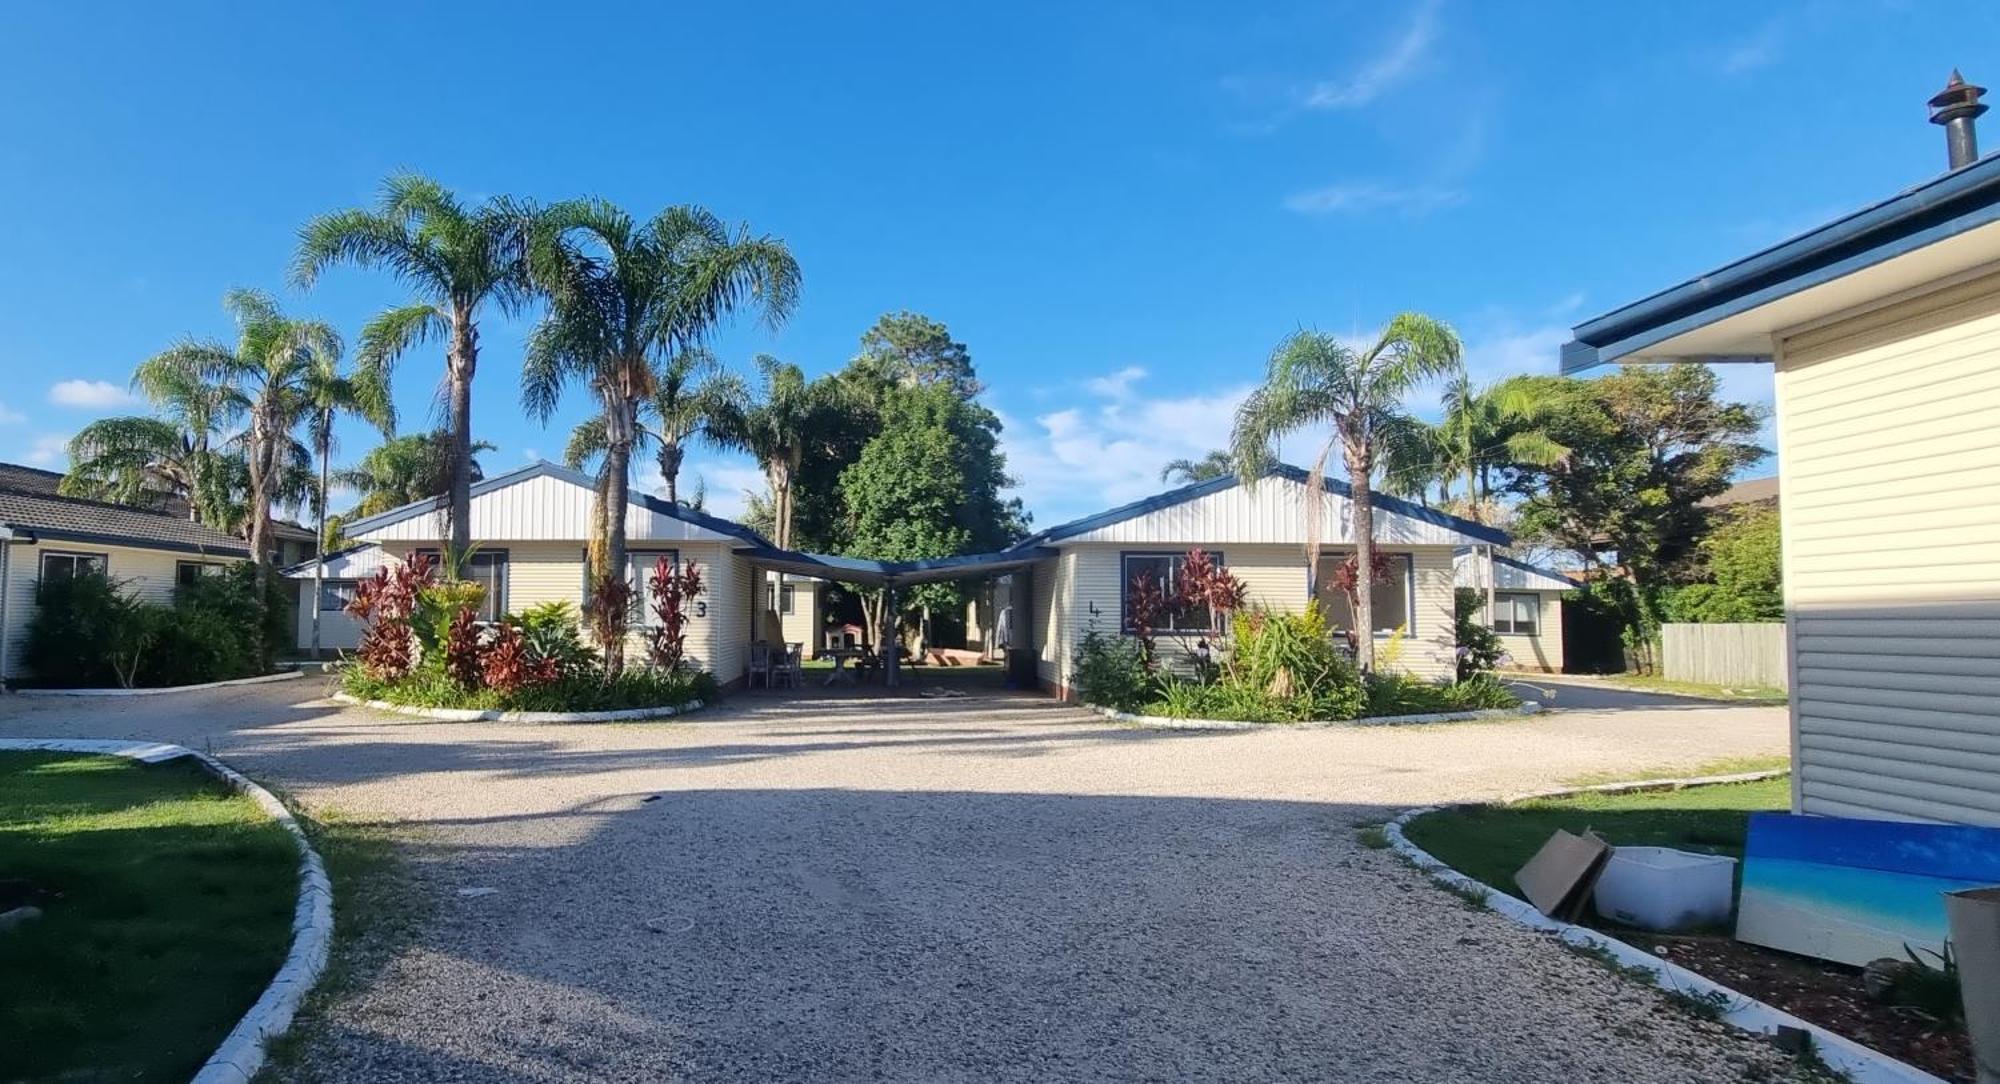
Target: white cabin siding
544,508
1272,512
1890,472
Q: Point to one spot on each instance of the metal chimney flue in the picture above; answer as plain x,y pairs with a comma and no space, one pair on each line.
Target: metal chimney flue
1956,107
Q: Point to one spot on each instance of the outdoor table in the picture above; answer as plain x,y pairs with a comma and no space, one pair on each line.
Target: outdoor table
840,674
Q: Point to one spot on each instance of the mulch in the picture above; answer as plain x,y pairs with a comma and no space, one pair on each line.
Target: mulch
1822,993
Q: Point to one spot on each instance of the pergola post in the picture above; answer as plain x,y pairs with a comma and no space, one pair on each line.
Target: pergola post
890,652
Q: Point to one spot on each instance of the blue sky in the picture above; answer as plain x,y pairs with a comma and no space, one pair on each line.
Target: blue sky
1120,208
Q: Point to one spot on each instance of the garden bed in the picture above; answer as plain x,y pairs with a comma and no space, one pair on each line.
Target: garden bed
169,902
588,697
1489,843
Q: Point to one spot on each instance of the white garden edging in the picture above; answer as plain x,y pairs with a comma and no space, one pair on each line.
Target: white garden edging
1168,722
474,715
260,679
1862,1064
241,1054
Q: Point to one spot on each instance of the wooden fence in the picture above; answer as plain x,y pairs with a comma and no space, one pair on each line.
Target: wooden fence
1724,654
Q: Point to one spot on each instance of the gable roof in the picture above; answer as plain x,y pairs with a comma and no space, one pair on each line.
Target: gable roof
73,519
1942,211
1509,574
546,469
1289,473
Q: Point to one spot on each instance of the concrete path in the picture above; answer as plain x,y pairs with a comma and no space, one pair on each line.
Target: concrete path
976,889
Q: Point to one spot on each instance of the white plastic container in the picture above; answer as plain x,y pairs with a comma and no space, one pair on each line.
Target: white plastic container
1659,888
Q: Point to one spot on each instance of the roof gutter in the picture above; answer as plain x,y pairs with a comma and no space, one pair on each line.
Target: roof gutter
1954,203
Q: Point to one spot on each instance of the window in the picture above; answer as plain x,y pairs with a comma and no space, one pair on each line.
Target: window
1163,569
1519,615
1390,598
334,595
787,598
642,568
68,566
186,572
488,569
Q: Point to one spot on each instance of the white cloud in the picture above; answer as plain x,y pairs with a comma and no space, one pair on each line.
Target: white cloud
1361,198
1117,385
49,449
532,455
1096,455
89,394
10,416
1759,50
1385,71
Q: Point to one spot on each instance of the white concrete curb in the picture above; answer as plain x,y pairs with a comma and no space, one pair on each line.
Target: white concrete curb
241,1054
1862,1064
260,679
474,715
1168,722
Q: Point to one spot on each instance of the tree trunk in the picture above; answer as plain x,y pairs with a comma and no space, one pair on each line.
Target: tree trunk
615,485
1360,466
260,457
670,468
460,363
325,451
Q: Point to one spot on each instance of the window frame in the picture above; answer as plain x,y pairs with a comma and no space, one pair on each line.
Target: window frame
1409,621
42,562
497,557
1512,626
181,566
335,584
642,604
787,599
1125,586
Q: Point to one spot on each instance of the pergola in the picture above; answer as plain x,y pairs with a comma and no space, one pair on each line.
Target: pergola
893,576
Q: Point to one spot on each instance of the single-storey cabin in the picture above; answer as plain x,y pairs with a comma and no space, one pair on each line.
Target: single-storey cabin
1883,327
45,535
1527,610
1259,534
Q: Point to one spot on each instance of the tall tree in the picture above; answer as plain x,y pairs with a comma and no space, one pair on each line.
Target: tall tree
172,458
403,470
625,299
1483,432
692,394
456,260
1216,464
1647,446
775,428
1315,380
910,349
329,393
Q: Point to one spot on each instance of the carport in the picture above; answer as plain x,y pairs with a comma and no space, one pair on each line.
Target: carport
893,576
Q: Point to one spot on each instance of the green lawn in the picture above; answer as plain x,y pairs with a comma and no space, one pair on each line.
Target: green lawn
1749,694
1488,843
167,904
1742,765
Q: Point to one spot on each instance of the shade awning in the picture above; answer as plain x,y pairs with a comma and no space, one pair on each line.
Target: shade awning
870,573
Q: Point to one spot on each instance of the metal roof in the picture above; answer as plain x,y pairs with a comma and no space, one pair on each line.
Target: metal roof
545,469
1229,481
1940,208
1468,570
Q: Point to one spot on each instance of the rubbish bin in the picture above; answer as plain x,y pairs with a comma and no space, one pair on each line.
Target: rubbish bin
1973,915
1021,668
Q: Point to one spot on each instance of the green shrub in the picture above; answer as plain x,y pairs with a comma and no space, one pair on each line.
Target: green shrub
1111,671
1478,650
553,631
1279,668
78,625
429,687
1395,693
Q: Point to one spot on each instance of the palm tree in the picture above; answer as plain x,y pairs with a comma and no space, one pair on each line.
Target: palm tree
691,394
1216,464
1316,380
166,459
327,393
1483,429
456,259
775,428
625,299
404,470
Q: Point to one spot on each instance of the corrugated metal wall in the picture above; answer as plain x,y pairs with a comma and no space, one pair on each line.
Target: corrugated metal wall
1271,513
1891,509
538,509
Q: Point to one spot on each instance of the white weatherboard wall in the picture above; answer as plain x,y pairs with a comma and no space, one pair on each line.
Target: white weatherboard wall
544,507
146,573
1890,471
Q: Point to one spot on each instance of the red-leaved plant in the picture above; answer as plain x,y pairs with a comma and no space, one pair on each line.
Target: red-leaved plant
384,602
461,650
1147,607
608,610
1347,578
1205,584
507,664
673,591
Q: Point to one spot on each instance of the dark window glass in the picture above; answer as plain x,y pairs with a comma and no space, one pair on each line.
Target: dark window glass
1164,570
1518,615
1391,599
64,566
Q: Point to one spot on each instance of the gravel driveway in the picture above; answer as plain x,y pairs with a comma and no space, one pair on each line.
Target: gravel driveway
963,890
